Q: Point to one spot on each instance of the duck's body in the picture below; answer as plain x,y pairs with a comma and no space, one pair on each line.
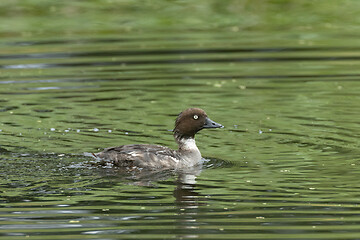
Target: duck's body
187,124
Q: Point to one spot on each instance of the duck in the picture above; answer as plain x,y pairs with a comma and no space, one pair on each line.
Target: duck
149,156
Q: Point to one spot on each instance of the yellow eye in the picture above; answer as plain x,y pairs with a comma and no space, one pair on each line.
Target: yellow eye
196,117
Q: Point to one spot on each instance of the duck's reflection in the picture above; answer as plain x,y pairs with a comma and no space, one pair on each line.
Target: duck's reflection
187,199
187,202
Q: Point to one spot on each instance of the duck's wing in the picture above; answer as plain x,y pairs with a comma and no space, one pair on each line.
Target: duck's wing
139,155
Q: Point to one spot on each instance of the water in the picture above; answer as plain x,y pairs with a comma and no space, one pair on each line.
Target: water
285,166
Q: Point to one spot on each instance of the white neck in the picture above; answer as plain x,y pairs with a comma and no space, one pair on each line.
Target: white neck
189,152
188,144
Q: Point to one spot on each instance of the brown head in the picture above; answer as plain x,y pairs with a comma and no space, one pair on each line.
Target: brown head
192,120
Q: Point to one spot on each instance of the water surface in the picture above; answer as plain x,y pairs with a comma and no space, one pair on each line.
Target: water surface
285,166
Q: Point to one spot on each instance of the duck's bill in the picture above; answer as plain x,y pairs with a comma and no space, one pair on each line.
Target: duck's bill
211,124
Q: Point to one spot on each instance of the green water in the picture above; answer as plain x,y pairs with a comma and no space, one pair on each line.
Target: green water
281,76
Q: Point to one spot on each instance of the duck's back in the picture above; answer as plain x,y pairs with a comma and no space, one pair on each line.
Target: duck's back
140,155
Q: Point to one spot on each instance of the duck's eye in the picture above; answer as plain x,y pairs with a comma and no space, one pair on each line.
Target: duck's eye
196,117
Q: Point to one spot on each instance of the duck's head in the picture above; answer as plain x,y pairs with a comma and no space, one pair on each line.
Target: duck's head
192,120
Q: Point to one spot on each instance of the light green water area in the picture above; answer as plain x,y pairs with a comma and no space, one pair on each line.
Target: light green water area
283,77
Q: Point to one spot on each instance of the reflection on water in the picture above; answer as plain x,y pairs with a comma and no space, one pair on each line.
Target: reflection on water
254,199
74,198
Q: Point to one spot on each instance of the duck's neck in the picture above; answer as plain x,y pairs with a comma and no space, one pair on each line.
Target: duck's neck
186,143
188,151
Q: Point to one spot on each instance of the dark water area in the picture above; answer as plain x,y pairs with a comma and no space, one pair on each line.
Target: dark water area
285,166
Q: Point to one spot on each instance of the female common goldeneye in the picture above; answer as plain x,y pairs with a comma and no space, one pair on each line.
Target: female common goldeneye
187,124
